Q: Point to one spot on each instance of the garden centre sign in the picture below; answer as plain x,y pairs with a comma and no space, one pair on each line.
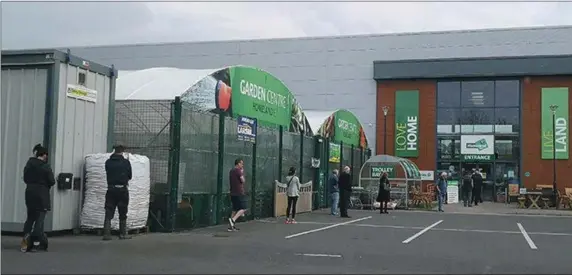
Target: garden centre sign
407,123
346,128
248,92
554,133
260,95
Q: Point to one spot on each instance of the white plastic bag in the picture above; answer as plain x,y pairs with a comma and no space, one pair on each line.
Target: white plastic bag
93,211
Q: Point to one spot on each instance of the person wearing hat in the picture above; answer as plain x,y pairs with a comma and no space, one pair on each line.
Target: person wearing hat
39,179
118,171
441,190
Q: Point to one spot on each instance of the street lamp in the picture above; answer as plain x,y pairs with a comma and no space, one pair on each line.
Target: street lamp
385,111
553,109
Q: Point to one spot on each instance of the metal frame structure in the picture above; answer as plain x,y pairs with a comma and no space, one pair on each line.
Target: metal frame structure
409,175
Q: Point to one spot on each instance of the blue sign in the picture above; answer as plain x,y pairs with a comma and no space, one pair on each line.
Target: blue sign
246,129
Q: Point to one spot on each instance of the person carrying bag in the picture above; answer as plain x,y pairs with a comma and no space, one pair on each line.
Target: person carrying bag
293,192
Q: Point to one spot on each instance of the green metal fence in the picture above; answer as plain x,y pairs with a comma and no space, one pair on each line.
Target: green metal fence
192,151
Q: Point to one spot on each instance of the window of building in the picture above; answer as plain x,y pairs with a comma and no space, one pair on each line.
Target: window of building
507,147
449,94
506,171
478,94
477,120
452,169
507,93
448,121
507,120
449,148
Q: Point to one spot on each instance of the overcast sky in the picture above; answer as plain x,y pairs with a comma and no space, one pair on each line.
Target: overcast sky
53,24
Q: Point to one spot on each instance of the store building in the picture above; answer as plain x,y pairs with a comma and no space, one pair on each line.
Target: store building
488,113
477,82
330,73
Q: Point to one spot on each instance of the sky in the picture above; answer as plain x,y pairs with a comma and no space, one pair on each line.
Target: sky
70,24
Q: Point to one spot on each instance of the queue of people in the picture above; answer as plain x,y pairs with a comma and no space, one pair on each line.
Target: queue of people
39,179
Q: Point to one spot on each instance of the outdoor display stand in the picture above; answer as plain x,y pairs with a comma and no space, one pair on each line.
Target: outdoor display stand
403,175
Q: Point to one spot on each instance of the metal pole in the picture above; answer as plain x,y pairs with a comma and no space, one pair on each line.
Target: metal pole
554,187
384,134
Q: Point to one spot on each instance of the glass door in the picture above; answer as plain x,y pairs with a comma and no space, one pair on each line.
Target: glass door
486,169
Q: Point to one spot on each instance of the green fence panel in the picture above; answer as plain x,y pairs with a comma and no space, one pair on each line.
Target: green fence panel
234,149
144,128
308,173
356,165
290,153
198,167
346,155
266,171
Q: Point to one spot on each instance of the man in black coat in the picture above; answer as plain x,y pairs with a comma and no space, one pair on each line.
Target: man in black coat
118,170
345,185
39,178
478,185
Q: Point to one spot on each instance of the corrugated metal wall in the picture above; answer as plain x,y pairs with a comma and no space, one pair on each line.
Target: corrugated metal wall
23,101
81,130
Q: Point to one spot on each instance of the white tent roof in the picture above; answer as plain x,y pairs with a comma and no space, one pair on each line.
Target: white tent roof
317,118
157,83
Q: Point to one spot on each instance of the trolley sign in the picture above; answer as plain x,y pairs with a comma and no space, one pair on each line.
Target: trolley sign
246,128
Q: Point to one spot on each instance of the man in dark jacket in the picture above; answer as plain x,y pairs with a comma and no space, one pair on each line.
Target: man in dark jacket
477,187
118,170
345,185
39,178
467,189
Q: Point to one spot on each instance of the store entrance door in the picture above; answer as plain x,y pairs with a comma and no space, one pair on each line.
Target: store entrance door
488,192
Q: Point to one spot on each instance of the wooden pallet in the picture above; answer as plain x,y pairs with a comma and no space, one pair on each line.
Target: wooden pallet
99,231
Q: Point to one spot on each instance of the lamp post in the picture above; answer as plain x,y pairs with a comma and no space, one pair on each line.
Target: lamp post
385,111
553,109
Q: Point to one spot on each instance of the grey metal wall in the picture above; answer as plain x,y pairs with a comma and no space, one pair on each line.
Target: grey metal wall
329,73
23,105
81,129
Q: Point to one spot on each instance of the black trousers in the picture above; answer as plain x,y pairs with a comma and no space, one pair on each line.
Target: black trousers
477,195
344,203
116,198
291,209
34,224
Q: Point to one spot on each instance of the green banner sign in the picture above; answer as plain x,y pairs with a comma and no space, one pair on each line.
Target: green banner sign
377,171
407,123
335,152
346,128
554,129
477,158
260,95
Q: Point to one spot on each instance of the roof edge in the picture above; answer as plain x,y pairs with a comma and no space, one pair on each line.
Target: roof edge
503,29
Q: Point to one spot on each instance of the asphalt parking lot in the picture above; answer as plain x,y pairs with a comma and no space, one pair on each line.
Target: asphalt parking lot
401,242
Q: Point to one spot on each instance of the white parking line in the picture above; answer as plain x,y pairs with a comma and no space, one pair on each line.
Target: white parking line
319,255
326,227
526,237
421,232
446,229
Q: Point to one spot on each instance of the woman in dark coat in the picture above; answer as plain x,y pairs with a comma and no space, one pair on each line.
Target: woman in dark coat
383,194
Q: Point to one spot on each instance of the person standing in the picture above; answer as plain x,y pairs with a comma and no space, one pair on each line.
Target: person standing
334,192
293,192
478,185
345,185
118,171
441,190
383,194
39,179
237,193
467,189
